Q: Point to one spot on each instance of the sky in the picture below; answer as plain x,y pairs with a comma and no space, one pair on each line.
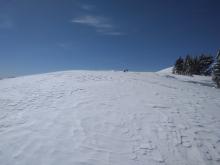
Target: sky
38,36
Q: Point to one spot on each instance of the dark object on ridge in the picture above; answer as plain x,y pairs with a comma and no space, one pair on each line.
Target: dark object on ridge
125,70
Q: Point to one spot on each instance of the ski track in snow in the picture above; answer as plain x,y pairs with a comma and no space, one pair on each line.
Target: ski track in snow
108,118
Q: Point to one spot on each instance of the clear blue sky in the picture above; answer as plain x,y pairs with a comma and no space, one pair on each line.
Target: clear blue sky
39,36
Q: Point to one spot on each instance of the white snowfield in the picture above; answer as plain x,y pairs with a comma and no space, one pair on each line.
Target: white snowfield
109,118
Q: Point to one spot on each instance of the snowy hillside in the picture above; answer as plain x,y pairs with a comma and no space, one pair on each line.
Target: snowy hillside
109,118
166,71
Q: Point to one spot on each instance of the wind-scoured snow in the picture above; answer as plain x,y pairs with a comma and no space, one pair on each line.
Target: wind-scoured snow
109,118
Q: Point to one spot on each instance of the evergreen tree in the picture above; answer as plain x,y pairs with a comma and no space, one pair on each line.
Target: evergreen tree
205,62
188,65
178,67
194,65
216,70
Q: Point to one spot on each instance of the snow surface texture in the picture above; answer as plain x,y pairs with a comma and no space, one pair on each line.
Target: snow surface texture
109,118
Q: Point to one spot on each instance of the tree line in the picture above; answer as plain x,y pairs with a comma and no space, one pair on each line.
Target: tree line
205,64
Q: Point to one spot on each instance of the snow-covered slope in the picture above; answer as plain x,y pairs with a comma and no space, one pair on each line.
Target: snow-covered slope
109,118
166,70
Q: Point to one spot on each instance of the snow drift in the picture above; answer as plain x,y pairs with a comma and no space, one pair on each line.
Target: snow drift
109,118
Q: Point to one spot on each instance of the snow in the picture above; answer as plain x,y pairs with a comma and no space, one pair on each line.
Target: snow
109,118
166,70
